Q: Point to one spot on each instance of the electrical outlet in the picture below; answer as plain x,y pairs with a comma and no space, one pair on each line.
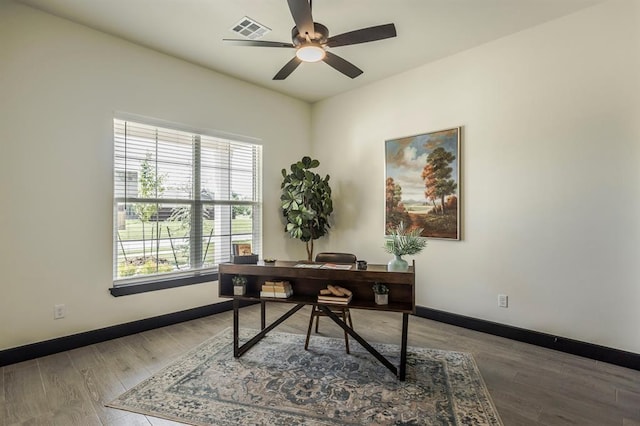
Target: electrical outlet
503,301
59,311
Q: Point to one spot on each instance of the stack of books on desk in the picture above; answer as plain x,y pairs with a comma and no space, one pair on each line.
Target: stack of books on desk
277,289
335,295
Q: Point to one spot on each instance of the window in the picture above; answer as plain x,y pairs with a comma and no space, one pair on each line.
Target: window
182,202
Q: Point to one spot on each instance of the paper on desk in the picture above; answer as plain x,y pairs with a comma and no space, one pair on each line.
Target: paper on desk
335,266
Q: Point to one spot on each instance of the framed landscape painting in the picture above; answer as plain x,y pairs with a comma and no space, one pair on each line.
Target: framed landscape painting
422,183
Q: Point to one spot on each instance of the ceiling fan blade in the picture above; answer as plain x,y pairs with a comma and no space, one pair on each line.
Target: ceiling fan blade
301,12
363,35
287,69
342,65
256,43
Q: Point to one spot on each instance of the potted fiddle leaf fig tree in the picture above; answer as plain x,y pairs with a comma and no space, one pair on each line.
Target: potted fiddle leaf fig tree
306,202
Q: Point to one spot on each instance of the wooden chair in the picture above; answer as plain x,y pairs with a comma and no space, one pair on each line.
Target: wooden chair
342,312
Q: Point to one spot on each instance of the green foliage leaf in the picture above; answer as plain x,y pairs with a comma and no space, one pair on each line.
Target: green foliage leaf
401,241
308,177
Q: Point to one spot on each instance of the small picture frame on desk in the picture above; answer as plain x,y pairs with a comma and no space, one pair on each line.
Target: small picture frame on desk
242,249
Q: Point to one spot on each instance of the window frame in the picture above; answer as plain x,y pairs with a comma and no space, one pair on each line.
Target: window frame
161,281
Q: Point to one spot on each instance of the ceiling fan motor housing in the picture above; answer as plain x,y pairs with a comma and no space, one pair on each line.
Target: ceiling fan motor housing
320,36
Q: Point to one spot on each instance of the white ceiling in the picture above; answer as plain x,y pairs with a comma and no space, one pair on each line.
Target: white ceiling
427,31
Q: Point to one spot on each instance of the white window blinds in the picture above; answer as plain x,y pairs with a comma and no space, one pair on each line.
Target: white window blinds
182,201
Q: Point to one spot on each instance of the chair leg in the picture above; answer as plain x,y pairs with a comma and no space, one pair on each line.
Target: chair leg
306,342
346,318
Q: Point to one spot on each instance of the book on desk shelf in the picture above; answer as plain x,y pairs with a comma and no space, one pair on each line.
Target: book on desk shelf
277,283
334,300
275,295
277,289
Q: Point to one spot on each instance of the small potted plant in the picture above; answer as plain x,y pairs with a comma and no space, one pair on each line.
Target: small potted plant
239,285
402,242
381,293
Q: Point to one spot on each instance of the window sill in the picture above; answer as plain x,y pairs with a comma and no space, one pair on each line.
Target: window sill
135,288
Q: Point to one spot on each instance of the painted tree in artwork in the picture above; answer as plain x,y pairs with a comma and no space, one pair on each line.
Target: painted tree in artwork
396,212
429,178
437,176
393,194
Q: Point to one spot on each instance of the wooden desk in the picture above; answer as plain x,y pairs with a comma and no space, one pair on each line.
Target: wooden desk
307,282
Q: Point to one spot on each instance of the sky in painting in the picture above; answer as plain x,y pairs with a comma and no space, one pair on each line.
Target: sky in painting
406,157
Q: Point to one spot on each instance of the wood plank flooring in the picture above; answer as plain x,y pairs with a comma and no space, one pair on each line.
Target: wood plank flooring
529,385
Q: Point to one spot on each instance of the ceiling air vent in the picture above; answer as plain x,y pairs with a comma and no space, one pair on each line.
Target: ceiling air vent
250,29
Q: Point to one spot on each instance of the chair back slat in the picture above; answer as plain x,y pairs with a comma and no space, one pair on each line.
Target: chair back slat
332,257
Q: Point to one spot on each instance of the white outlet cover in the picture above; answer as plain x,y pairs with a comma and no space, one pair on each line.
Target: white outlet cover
503,301
59,311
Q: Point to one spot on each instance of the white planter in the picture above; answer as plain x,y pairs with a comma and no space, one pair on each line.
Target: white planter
238,290
382,299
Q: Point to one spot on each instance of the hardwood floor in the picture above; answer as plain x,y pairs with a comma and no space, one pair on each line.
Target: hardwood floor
529,385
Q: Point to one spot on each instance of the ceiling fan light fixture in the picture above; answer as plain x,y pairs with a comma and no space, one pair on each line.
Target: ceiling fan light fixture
310,53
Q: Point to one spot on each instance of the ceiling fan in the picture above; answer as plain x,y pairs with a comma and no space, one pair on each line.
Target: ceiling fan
311,40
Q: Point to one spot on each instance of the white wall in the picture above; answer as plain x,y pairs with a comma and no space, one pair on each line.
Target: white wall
550,184
551,174
60,84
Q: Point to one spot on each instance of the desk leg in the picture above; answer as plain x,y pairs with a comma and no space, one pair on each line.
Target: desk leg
359,338
403,350
239,351
263,317
236,336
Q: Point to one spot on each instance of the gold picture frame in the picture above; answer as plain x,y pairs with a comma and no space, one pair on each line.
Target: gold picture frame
242,249
422,183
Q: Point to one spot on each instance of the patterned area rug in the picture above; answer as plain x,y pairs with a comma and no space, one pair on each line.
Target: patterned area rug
277,382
